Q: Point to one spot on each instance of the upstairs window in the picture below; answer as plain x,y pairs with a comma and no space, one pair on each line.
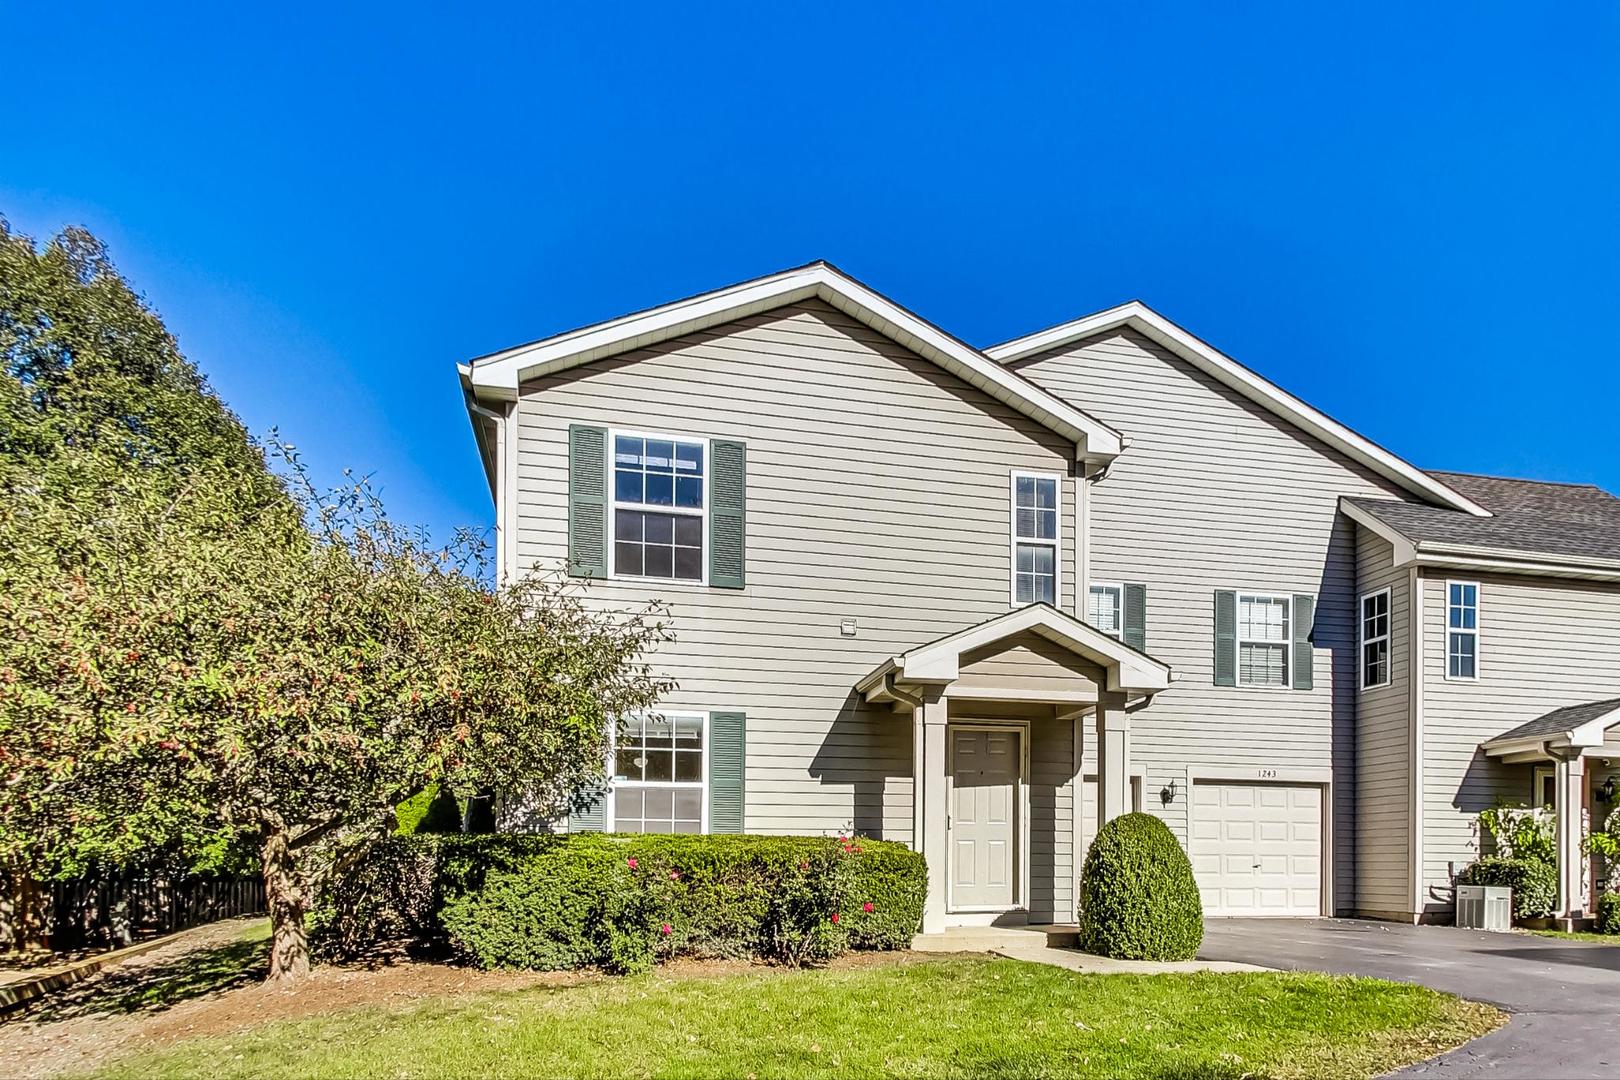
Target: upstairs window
1462,630
659,499
1035,538
1375,640
1263,640
1103,609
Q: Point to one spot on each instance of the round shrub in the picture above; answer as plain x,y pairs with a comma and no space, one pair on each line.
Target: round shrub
1534,883
1608,913
1138,898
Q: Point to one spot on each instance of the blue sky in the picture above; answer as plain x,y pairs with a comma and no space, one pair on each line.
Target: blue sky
1407,218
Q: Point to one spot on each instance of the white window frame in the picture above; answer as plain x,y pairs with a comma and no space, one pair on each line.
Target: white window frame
613,506
1479,594
1056,542
610,808
1363,640
1118,589
1238,640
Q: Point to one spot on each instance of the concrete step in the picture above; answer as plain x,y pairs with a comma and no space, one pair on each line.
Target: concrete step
993,938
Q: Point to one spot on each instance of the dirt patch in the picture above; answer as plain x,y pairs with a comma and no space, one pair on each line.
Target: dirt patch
207,983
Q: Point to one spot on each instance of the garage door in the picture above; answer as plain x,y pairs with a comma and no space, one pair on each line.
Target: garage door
1257,848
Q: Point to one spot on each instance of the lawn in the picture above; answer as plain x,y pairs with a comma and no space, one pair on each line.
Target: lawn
1579,935
941,1016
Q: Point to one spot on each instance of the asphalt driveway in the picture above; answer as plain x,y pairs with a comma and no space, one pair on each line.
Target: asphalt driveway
1564,996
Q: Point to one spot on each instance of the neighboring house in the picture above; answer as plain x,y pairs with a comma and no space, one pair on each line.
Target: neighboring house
978,601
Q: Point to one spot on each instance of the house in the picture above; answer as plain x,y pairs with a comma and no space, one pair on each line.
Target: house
980,600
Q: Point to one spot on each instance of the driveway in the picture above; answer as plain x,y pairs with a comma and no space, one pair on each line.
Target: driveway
1563,995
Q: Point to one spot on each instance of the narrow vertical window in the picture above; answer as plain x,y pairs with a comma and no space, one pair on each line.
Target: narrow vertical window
1035,538
1375,640
1462,630
1103,609
1262,640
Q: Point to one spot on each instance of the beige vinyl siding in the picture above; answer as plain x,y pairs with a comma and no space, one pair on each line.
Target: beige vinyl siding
1383,747
1051,821
1216,493
1543,644
878,490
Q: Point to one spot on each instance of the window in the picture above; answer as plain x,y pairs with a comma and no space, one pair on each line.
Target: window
658,504
1103,608
1375,640
1262,640
658,773
1462,630
1035,538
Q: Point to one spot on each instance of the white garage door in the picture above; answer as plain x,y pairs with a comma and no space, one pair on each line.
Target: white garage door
1257,848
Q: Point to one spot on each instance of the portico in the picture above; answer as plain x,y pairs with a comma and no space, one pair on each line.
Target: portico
1000,715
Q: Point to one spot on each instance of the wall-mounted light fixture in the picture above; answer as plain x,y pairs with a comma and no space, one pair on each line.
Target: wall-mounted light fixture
1605,793
1167,794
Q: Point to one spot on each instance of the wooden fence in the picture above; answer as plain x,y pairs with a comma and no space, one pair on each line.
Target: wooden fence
108,910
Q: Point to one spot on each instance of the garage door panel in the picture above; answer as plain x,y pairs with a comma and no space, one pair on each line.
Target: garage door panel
1257,848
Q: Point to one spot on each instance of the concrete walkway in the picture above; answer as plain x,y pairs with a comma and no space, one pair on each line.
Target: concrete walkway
1054,945
1562,994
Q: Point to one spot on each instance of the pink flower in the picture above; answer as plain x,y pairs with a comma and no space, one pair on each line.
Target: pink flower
665,930
631,862
856,849
868,907
835,916
674,875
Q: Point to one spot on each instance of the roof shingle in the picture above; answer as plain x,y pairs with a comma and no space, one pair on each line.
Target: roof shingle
1560,721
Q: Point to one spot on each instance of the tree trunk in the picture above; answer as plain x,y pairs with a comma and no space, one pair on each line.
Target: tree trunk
27,910
284,895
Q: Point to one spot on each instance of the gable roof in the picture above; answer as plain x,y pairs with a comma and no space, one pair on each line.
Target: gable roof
1569,524
496,377
1144,320
1573,725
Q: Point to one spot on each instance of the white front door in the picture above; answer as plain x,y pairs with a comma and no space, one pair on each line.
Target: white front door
1257,848
984,827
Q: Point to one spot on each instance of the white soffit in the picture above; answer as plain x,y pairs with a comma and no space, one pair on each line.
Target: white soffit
498,375
1144,320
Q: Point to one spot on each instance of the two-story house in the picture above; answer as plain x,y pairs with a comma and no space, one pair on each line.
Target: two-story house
980,600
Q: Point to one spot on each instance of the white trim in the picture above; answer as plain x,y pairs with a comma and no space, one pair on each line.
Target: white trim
1139,317
1014,540
1446,671
1287,641
1119,611
1386,637
704,441
499,375
1282,776
1021,729
1417,679
609,801
1538,774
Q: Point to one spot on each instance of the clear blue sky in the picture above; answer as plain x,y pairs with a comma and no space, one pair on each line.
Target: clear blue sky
1410,219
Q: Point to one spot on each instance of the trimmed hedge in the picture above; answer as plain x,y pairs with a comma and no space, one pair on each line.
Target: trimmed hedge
432,810
625,902
1138,898
1608,913
1534,883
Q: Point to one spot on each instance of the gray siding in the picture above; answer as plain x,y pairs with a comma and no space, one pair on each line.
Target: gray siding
1216,493
1384,749
878,490
1543,644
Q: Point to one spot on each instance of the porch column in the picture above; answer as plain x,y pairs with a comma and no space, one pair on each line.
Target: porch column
1113,756
934,810
1569,777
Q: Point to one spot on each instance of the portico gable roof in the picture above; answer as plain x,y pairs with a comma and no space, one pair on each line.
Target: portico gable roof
939,662
1573,729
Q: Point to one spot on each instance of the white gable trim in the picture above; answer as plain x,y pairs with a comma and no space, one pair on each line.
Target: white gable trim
498,376
1144,320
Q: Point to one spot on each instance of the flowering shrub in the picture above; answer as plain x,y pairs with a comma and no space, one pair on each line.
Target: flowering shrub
1520,832
627,902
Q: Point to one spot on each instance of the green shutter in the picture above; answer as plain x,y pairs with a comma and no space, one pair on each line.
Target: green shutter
591,816
1304,614
1134,630
587,501
1225,637
728,743
728,504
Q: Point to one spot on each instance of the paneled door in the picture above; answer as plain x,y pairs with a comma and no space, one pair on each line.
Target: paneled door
985,776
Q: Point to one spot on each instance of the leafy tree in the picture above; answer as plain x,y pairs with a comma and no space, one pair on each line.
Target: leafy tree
195,651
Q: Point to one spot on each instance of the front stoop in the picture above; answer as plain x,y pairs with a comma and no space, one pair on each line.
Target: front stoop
996,938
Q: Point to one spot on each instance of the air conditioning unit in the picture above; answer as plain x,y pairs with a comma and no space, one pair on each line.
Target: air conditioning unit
1485,907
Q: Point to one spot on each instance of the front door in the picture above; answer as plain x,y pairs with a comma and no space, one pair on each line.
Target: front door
984,826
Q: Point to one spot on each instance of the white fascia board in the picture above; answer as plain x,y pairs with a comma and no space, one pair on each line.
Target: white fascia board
1138,316
500,374
1592,732
1405,550
1515,562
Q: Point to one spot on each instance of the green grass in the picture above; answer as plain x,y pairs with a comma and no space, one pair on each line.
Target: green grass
948,1016
1579,935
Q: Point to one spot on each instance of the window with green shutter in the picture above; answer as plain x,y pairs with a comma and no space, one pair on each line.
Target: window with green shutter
728,746
587,501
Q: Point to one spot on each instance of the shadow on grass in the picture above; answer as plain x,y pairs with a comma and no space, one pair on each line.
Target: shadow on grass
160,985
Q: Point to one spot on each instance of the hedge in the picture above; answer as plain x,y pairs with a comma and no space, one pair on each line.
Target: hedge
1608,913
1534,883
1138,898
624,902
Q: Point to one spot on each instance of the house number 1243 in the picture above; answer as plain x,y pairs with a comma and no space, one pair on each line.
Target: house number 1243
1266,774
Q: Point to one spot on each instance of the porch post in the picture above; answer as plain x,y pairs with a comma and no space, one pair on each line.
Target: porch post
934,825
1113,756
1569,777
